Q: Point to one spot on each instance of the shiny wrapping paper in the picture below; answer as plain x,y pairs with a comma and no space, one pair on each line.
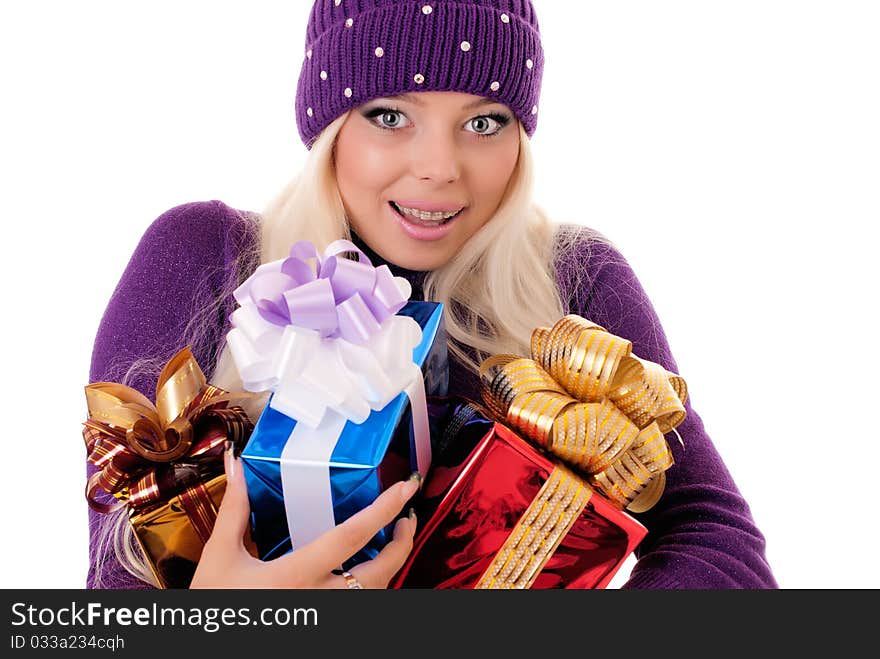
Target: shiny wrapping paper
367,458
474,501
173,534
532,489
164,462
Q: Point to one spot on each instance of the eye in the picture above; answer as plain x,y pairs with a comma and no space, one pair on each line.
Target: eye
392,119
483,124
487,125
385,118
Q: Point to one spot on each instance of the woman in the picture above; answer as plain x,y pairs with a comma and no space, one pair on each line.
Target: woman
417,117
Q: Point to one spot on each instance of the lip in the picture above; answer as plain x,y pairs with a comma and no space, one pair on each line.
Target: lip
424,233
428,207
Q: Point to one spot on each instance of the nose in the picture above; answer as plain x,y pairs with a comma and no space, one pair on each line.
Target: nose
434,155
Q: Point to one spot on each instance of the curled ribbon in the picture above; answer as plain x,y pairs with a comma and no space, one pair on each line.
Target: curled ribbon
142,449
586,399
292,311
336,296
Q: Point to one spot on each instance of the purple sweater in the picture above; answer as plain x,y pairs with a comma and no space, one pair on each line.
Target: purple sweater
701,533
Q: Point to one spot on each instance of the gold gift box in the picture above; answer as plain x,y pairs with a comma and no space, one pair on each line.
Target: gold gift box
169,539
161,460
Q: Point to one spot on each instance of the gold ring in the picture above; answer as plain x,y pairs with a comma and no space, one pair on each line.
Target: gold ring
351,582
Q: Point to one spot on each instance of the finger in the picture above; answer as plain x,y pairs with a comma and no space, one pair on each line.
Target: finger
232,516
342,542
377,572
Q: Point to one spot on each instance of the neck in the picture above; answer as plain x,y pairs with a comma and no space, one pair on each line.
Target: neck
414,277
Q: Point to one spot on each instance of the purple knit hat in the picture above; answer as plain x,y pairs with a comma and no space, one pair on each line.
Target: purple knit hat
357,50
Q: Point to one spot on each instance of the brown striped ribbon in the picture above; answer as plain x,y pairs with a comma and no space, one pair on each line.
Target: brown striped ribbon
199,507
584,397
128,437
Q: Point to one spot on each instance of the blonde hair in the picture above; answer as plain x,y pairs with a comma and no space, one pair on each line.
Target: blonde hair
496,289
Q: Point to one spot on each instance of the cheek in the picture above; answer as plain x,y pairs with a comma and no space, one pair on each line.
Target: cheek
361,165
494,172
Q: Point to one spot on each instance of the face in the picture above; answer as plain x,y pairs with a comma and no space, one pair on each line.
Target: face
429,152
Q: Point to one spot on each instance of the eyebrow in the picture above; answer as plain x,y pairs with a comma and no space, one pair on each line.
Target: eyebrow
415,100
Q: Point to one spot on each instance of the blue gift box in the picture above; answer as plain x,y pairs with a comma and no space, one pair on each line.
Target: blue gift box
367,458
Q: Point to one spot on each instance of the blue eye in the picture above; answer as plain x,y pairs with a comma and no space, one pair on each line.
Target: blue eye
384,114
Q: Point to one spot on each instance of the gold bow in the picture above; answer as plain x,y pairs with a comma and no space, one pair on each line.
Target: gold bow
586,399
127,435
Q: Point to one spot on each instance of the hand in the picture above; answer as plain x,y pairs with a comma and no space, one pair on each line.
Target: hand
225,563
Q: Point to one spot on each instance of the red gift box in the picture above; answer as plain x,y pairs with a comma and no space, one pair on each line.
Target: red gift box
523,509
509,516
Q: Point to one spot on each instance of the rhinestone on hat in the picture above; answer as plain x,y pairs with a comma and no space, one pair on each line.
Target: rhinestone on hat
465,46
419,78
379,51
534,109
495,86
505,18
323,75
529,63
347,93
349,22
427,9
337,2
309,112
309,53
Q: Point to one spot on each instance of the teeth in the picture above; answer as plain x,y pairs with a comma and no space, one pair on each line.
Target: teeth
426,216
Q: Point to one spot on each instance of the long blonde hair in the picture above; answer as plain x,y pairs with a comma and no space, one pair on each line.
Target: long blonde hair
496,289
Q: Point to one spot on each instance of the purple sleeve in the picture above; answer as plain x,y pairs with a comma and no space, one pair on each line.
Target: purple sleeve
701,532
181,258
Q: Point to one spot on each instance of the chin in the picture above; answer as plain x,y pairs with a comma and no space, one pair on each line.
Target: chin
411,261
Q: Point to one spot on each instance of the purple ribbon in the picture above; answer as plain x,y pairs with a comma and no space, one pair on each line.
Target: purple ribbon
337,297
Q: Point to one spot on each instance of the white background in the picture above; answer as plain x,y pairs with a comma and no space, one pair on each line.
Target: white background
731,150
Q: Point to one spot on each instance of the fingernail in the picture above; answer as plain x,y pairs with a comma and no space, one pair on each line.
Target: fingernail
411,514
229,459
399,528
409,488
415,476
